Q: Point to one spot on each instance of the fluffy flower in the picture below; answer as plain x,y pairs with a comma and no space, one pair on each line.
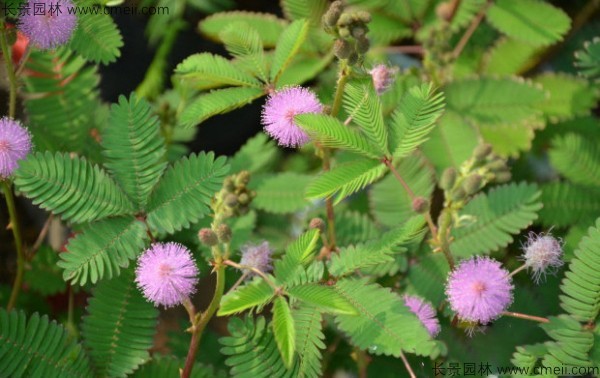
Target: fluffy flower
167,274
479,290
383,77
280,109
257,256
48,23
541,253
15,144
425,313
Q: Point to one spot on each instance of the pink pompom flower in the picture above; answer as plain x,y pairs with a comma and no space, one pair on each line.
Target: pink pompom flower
257,256
15,144
167,274
542,253
48,23
479,290
425,312
280,109
383,77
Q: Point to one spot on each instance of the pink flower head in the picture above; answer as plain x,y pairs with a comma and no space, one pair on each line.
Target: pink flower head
542,252
479,290
167,274
383,77
257,256
425,313
15,144
280,109
48,23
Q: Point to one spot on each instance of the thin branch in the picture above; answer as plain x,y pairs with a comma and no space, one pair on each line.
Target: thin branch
470,30
252,269
526,317
407,49
522,267
41,237
407,365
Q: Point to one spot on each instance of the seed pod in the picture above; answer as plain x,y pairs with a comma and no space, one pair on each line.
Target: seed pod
223,233
472,184
420,205
448,178
208,237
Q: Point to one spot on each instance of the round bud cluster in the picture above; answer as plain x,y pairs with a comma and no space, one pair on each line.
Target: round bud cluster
235,197
351,30
483,167
318,224
420,205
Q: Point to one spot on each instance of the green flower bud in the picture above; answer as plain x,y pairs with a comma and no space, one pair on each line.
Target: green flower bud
420,205
358,32
497,165
331,17
344,20
229,184
244,199
448,178
344,32
472,184
318,224
502,177
363,16
482,151
208,237
231,200
362,45
223,233
444,11
242,179
458,194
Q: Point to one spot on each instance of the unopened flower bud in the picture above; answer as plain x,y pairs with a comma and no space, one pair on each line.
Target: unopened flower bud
242,179
344,20
231,200
502,177
353,58
229,184
383,77
243,199
317,223
358,32
497,165
362,45
472,184
342,49
458,194
363,16
444,11
420,205
344,32
482,151
223,233
330,18
448,178
208,237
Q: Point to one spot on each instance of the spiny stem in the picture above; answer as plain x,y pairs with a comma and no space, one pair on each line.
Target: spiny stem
14,222
470,30
524,266
407,365
525,316
202,320
12,77
411,194
252,269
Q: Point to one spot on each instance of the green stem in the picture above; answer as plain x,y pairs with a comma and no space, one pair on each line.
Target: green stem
444,224
339,90
14,222
12,77
203,319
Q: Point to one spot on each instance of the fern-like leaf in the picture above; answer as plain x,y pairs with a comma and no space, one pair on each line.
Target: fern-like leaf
258,154
569,96
284,331
251,350
37,347
102,249
346,179
330,132
384,324
505,210
309,340
288,45
97,38
532,21
70,187
216,102
134,148
572,344
119,328
268,26
163,367
183,194
362,103
414,119
282,194
205,70
323,297
566,205
256,293
244,43
588,59
576,158
298,255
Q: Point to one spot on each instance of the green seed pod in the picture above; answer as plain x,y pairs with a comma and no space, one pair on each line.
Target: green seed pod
342,49
458,194
208,237
448,178
472,184
223,233
420,205
482,151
